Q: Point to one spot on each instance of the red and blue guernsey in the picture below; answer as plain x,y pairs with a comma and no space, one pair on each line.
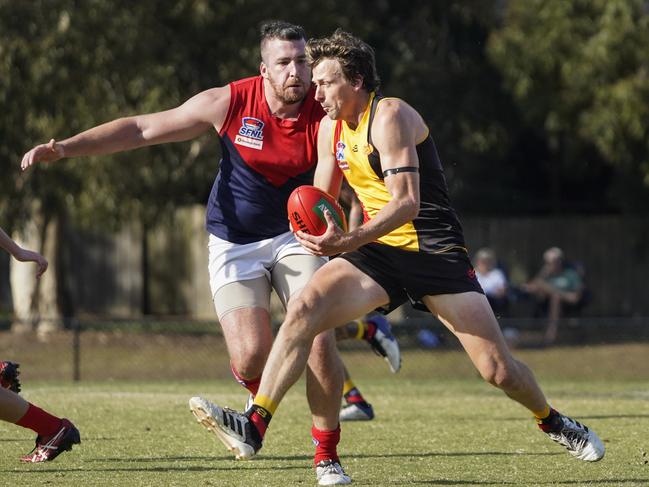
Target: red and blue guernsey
264,158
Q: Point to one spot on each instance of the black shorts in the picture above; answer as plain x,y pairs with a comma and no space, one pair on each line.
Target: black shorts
409,276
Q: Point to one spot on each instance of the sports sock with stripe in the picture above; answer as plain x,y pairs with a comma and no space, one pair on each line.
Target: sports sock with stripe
326,443
351,393
548,422
261,413
369,329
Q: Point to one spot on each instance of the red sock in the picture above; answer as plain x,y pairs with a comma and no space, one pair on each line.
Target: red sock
39,421
325,444
252,385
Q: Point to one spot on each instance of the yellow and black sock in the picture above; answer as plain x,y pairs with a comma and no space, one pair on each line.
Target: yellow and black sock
351,393
360,329
548,419
261,413
366,329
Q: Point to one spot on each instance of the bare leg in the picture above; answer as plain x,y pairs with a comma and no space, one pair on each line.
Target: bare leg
248,337
324,381
323,304
324,376
12,406
346,331
470,318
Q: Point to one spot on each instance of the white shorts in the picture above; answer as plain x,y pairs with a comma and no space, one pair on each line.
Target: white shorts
245,264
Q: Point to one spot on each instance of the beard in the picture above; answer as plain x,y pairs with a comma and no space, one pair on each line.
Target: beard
289,93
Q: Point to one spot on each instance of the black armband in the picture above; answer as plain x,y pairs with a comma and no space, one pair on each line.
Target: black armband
397,170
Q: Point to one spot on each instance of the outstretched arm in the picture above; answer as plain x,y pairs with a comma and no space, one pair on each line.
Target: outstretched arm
21,254
197,115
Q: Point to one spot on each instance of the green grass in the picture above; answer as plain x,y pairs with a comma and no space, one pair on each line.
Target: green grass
437,424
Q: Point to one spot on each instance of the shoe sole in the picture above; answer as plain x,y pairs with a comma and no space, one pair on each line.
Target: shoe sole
355,416
207,421
334,481
75,440
395,365
364,418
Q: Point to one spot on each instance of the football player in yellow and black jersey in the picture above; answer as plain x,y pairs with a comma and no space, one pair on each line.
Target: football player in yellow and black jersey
410,246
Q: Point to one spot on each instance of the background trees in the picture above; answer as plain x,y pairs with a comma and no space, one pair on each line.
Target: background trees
578,72
537,107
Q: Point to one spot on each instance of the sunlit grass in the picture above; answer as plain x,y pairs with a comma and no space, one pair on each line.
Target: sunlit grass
433,427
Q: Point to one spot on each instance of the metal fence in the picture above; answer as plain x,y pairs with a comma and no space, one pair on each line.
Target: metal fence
176,349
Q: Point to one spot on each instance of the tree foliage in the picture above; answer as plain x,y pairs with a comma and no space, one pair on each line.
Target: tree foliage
579,72
536,106
529,102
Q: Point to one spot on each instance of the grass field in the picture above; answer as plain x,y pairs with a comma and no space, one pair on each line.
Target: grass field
437,424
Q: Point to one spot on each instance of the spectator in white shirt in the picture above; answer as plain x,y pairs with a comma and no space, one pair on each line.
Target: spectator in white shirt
492,279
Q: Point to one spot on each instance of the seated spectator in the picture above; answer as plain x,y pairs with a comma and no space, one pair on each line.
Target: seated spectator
492,279
557,288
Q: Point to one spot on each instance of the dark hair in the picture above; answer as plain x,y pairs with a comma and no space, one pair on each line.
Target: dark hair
355,57
278,29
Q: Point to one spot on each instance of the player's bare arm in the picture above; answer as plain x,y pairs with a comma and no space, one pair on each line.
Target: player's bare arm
396,130
328,175
21,254
205,110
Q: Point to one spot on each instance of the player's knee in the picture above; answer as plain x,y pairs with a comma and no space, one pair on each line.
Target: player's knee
301,319
325,343
500,374
248,364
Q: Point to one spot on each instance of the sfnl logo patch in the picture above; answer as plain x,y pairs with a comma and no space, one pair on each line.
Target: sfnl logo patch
251,133
340,155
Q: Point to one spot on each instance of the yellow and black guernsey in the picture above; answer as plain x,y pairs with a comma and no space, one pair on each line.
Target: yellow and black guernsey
436,228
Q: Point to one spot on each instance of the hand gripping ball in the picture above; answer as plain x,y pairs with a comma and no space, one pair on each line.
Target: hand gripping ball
306,207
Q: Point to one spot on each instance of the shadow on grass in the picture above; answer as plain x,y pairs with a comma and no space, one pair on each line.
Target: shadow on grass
453,454
307,458
179,468
275,468
615,416
228,458
500,482
586,417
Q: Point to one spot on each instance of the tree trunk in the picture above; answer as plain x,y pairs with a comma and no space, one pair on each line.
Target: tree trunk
35,301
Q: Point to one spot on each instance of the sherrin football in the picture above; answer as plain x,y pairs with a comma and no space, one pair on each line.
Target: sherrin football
306,207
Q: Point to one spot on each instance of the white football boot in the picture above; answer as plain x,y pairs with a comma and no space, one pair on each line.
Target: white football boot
581,442
384,343
357,412
328,472
232,428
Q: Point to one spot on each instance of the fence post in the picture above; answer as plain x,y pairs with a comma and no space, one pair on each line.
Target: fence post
76,350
